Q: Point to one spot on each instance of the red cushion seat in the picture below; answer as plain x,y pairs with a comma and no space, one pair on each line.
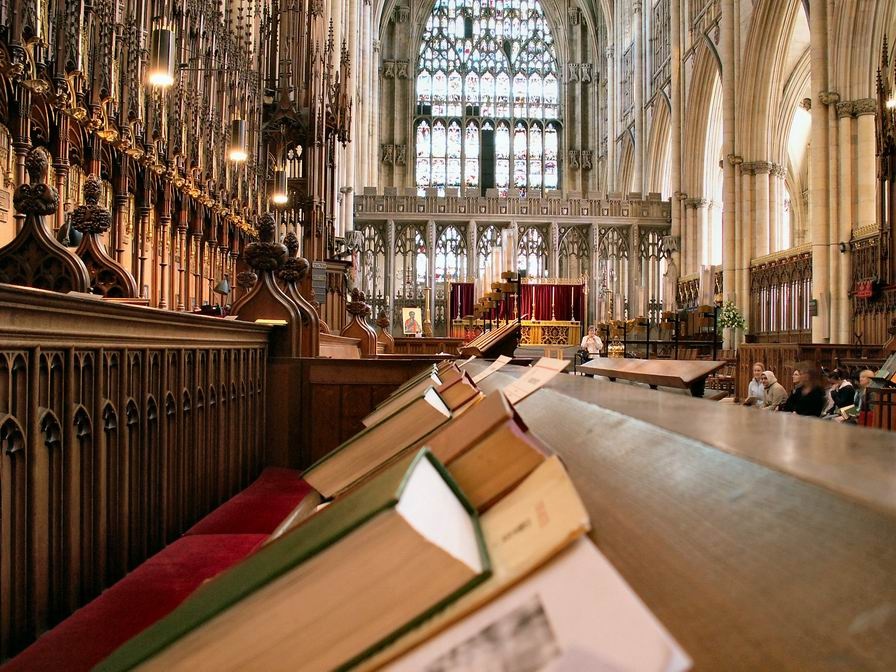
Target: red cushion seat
137,601
258,509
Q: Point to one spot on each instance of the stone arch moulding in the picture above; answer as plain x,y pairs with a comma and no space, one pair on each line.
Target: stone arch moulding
658,147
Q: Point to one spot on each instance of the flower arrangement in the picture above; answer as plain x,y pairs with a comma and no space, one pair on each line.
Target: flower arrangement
730,317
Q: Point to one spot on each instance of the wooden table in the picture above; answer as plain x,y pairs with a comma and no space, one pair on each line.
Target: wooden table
762,541
685,374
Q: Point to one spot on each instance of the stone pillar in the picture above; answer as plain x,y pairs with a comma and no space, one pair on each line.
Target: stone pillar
701,233
389,275
865,185
818,166
689,235
729,151
472,251
762,207
774,219
843,331
745,236
554,251
639,183
431,266
612,85
676,100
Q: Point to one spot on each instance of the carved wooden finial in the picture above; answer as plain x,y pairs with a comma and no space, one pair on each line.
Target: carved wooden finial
292,243
382,320
246,280
265,254
91,217
35,258
357,326
357,305
37,198
107,276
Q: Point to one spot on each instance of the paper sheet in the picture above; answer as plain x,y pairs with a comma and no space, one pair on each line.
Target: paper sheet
537,376
497,364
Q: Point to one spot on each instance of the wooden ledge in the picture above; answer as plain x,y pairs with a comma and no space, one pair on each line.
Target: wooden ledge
37,317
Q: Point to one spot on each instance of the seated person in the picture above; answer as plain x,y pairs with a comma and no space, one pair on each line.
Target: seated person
591,345
861,401
756,389
775,394
841,390
809,397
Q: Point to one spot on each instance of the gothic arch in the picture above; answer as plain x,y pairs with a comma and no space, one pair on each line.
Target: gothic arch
702,107
659,149
626,162
764,58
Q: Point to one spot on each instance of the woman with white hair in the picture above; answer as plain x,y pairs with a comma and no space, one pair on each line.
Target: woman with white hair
775,394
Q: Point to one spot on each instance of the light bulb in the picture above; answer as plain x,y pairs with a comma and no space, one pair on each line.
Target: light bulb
237,151
160,72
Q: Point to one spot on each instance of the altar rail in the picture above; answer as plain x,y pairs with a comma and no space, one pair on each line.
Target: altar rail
120,426
426,346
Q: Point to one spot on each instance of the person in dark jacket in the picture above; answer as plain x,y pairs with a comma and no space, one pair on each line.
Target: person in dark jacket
842,391
809,397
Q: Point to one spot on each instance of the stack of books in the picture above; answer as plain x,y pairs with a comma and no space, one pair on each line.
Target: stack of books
449,539
886,375
487,340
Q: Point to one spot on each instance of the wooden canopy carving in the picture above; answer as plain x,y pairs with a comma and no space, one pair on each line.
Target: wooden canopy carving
291,274
265,300
35,258
358,327
107,276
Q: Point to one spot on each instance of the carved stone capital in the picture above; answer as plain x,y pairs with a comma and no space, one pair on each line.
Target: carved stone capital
828,97
695,202
846,108
806,104
575,16
636,7
864,106
759,167
735,160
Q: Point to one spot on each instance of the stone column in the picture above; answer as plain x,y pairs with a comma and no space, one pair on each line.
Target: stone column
554,251
702,233
612,84
845,111
389,275
818,166
761,172
472,251
775,198
865,182
676,99
689,236
729,150
638,98
431,266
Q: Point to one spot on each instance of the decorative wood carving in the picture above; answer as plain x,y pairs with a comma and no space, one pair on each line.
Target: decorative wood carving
292,273
358,327
113,441
266,301
107,276
383,337
35,258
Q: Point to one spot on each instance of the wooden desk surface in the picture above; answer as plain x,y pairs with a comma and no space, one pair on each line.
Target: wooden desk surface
763,541
667,372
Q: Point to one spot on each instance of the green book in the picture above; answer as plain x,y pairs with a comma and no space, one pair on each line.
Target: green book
354,577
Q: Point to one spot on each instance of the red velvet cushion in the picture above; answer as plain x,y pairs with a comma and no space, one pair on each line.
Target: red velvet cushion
260,508
141,598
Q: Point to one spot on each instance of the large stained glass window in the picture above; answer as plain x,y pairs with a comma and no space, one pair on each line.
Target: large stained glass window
488,98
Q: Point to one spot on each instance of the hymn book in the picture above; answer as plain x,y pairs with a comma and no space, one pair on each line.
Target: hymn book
353,577
376,445
576,614
539,518
487,449
455,388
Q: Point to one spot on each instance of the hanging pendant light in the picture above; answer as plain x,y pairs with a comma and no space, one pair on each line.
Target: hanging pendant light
279,194
161,58
223,287
238,144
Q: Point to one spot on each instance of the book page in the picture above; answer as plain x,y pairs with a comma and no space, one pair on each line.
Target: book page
497,364
537,376
522,531
576,613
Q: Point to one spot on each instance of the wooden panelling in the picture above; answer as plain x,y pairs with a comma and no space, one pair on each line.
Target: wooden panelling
319,403
120,427
426,346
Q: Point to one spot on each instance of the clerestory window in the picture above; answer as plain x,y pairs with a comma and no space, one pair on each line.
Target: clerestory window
488,99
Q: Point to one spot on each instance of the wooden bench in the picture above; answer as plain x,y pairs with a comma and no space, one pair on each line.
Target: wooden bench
156,587
689,375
